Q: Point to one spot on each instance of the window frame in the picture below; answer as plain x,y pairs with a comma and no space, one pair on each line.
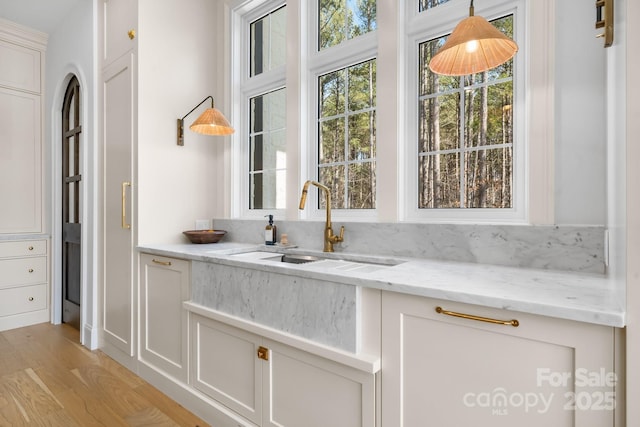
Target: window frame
243,15
434,23
319,63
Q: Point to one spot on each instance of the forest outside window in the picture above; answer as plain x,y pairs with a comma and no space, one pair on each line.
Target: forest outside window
347,136
346,115
465,134
342,20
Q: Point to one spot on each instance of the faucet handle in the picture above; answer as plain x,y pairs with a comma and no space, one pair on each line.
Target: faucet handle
341,237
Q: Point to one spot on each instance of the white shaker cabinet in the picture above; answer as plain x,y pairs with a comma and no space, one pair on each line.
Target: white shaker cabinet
21,59
440,369
24,283
164,285
272,384
119,296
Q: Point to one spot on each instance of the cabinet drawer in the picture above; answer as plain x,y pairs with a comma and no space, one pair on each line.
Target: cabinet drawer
23,299
23,248
23,271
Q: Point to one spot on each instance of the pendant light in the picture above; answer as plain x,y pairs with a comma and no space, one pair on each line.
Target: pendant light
474,46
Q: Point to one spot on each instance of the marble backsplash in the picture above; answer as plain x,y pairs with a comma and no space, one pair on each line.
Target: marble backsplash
568,248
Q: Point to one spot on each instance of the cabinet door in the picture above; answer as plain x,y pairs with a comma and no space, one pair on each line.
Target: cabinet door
119,297
120,17
225,366
20,162
164,285
442,370
20,67
306,390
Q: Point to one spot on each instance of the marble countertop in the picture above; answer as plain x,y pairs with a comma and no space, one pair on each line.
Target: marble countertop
581,297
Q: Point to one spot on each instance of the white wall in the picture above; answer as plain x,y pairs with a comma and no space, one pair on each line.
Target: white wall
177,66
71,51
580,155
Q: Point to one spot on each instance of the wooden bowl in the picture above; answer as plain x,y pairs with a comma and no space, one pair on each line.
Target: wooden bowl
204,236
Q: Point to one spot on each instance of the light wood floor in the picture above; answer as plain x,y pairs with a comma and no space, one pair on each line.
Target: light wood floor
48,379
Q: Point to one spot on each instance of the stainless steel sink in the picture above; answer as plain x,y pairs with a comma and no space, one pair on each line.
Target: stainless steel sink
299,259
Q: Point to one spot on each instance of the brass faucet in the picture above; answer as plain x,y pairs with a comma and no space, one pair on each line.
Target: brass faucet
329,237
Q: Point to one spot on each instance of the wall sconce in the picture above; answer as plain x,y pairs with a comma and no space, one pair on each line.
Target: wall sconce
474,46
604,19
211,122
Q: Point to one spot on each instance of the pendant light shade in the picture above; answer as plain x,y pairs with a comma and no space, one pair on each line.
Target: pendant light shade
474,46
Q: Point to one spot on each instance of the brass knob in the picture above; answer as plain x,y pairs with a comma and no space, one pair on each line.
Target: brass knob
132,34
30,248
30,298
31,270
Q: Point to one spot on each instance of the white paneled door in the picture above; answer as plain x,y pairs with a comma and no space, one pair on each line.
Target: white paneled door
118,292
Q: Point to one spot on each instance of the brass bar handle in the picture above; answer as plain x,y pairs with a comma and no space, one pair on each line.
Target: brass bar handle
513,322
125,184
165,263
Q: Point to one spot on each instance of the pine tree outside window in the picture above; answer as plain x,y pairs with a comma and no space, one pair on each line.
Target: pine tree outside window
465,134
346,117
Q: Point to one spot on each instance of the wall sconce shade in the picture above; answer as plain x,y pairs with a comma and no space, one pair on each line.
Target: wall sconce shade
210,122
474,46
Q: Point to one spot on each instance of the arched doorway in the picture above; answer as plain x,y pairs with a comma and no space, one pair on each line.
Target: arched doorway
71,215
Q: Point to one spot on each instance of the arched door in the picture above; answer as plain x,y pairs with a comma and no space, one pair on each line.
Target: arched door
71,227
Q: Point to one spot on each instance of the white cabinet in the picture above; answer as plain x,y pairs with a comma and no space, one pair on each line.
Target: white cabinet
120,18
23,283
119,296
439,369
273,384
21,58
164,285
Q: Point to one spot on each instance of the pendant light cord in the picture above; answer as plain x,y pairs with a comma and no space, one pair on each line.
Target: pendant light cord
471,11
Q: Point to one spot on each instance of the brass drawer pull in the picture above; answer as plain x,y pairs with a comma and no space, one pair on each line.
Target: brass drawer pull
165,263
30,298
31,270
512,322
30,248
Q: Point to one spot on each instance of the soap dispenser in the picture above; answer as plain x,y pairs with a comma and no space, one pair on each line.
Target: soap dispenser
270,232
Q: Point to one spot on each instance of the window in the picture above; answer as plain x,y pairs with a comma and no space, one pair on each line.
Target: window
267,151
342,20
307,107
347,139
466,142
268,42
430,4
346,94
465,136
263,147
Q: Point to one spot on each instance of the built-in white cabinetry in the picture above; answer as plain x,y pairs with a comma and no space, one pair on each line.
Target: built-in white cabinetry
164,285
21,70
24,283
449,366
119,87
119,296
24,253
272,384
120,19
